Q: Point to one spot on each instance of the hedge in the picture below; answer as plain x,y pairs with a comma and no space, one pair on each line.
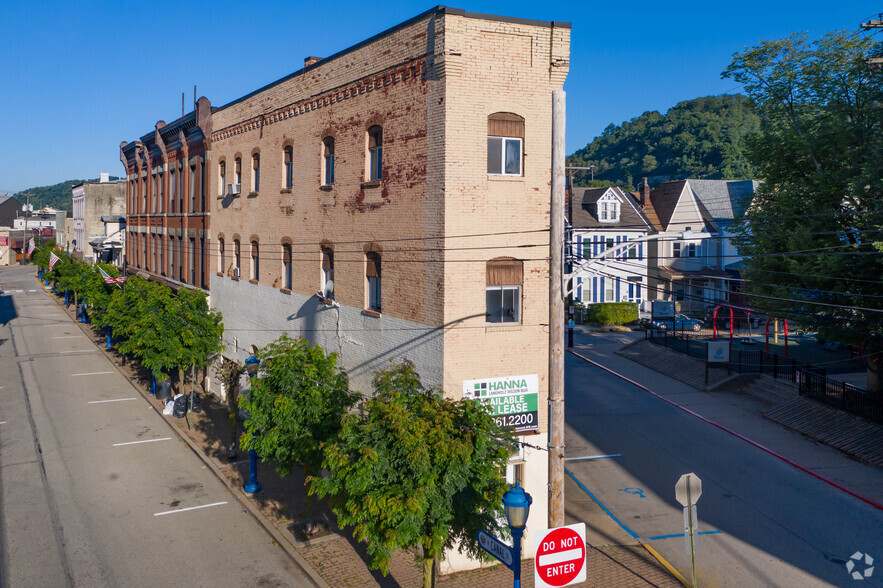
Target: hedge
612,313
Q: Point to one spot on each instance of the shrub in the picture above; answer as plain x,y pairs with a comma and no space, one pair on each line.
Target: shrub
613,313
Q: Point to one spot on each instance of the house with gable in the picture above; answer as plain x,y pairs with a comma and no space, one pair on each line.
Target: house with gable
700,270
604,219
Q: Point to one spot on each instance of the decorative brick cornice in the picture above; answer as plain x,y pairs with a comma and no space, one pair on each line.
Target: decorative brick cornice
409,71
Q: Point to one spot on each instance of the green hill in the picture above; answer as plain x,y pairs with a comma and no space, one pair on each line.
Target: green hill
56,196
699,138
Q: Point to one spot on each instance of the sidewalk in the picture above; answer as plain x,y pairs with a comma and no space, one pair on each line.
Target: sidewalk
331,556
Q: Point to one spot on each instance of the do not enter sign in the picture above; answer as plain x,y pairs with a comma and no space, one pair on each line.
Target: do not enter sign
560,556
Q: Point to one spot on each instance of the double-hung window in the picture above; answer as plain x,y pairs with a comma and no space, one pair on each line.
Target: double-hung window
328,272
504,144
256,172
287,160
503,290
328,161
372,274
286,266
375,153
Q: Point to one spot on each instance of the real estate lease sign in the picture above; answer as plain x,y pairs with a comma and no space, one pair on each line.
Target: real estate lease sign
513,400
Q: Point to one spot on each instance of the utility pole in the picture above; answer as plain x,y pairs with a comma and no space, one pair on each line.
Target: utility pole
27,211
874,23
556,316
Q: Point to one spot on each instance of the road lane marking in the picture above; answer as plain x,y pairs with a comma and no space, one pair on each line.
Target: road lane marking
146,441
588,457
91,374
114,400
3,423
159,514
67,337
83,351
599,503
681,535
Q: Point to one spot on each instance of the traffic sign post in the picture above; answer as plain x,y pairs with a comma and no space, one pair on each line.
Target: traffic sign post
560,556
687,492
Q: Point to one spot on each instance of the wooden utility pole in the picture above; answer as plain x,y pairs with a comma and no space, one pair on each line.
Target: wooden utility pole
874,23
27,211
556,316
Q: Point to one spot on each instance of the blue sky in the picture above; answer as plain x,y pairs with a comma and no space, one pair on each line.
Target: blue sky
78,78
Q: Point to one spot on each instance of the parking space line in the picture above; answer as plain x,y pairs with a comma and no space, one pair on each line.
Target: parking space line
681,535
67,337
599,503
114,400
91,374
588,457
3,423
159,514
145,441
81,351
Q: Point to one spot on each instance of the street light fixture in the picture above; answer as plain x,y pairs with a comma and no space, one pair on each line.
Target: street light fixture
516,505
252,365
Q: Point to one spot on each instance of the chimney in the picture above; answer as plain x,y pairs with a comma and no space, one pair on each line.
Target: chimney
644,192
104,177
308,61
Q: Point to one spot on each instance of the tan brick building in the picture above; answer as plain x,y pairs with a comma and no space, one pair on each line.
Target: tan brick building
412,171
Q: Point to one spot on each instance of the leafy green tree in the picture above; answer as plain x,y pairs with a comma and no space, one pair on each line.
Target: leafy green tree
417,470
699,138
820,154
296,405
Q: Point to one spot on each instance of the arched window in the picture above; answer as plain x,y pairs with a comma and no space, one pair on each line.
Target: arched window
503,290
375,153
256,172
327,272
286,266
505,134
236,256
222,178
255,261
372,275
288,161
221,266
328,161
237,172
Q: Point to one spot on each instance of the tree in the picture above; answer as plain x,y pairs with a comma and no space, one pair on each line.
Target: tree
417,470
820,155
296,405
703,137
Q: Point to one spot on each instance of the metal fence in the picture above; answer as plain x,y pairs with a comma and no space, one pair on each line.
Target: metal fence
840,395
811,380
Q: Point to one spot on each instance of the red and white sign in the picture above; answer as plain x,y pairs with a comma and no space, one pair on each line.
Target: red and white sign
560,556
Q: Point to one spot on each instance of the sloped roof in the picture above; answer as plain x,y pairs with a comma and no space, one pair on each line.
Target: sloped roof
585,210
664,199
725,200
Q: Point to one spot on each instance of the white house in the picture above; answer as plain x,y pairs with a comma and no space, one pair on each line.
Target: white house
604,220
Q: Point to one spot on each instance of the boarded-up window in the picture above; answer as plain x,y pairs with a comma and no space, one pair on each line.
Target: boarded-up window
505,124
504,272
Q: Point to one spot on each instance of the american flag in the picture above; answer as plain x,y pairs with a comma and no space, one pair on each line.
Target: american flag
31,247
110,280
53,259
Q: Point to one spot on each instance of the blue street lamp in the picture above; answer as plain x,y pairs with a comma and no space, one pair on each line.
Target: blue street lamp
516,504
251,368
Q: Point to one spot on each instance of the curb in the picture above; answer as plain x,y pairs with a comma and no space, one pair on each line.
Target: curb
278,538
667,565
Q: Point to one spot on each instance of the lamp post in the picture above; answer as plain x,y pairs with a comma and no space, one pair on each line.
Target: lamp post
252,485
516,504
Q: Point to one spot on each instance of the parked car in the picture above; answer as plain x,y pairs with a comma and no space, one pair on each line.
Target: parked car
681,323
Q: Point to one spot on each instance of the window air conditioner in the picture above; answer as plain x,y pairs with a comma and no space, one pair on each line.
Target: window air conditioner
236,272
234,188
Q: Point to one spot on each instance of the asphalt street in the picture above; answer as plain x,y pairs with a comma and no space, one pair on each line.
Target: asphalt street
762,522
95,487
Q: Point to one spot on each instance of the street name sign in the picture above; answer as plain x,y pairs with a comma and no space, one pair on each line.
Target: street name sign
560,556
688,489
495,547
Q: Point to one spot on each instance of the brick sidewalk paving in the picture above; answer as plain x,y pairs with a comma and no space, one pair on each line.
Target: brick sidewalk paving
336,559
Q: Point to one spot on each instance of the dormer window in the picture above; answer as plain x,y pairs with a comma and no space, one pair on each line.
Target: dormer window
608,208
